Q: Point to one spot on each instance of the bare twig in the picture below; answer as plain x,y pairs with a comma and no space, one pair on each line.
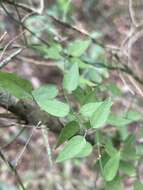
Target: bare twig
24,148
9,58
12,168
47,145
3,36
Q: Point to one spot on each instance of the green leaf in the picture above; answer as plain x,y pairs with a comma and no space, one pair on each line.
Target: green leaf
53,53
128,151
109,148
117,120
86,150
111,167
72,148
138,185
15,85
71,78
81,64
87,110
54,107
115,184
78,47
45,92
67,132
100,116
127,168
116,91
133,115
94,75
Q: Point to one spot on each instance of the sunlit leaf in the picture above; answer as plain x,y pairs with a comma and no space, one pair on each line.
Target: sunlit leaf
72,148
54,107
100,116
88,109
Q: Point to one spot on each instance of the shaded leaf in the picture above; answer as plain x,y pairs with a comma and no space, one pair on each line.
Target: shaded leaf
45,92
15,85
127,168
67,132
115,184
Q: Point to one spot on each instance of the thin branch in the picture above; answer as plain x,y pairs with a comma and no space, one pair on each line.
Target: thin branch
3,36
9,58
25,146
47,145
21,24
125,68
12,168
14,139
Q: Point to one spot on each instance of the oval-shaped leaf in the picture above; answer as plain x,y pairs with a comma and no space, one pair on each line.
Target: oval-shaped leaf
86,150
88,109
15,85
67,132
115,184
45,92
54,107
71,78
118,120
100,116
127,168
111,167
72,148
78,47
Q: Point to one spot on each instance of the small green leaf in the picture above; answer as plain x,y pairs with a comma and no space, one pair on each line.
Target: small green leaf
67,132
128,151
78,47
72,148
71,78
118,120
86,150
116,91
109,148
133,115
54,107
115,184
15,85
100,116
111,167
87,110
45,92
53,53
127,168
94,75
